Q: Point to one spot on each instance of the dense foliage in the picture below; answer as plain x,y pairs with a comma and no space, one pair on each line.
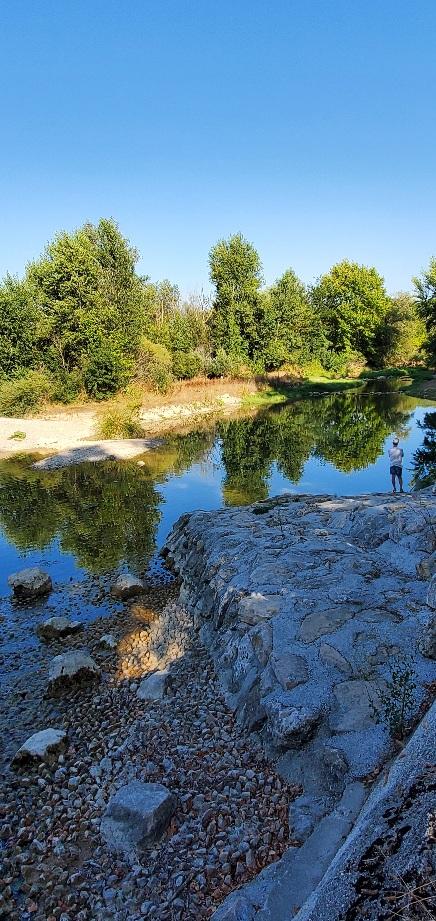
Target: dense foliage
83,321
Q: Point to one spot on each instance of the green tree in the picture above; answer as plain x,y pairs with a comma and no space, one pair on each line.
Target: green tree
291,331
425,289
401,333
351,301
18,328
91,304
236,272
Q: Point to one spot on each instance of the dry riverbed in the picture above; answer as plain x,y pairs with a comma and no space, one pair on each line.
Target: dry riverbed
231,814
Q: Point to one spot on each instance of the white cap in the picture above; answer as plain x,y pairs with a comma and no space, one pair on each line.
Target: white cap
395,439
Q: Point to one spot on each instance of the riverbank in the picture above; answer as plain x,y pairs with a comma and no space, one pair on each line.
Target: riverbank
73,434
319,615
267,723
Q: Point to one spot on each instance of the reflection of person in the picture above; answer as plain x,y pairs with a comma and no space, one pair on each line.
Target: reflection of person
396,455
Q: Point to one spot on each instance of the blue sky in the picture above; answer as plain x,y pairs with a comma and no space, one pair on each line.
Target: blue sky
308,126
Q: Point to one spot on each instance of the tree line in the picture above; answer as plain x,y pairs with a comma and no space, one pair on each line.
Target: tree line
83,320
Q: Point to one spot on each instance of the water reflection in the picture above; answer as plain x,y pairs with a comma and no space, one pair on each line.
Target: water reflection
112,513
424,461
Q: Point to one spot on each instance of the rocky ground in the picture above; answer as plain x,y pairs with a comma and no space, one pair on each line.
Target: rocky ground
232,807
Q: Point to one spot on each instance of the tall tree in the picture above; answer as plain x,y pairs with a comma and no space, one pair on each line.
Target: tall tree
236,272
425,288
90,301
351,301
18,328
291,331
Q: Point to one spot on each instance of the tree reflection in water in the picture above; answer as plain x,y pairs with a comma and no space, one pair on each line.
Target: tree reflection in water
424,460
108,513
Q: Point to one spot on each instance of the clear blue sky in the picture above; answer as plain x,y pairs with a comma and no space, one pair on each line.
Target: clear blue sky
308,125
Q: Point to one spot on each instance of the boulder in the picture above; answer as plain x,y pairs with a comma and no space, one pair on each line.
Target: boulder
154,686
72,668
57,627
30,583
42,746
235,908
137,815
127,586
289,725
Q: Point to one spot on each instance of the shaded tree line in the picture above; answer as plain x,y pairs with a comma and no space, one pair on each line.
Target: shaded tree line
83,320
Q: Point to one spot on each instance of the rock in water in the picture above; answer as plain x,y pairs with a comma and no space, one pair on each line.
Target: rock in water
72,668
42,746
127,587
56,627
137,815
154,686
30,583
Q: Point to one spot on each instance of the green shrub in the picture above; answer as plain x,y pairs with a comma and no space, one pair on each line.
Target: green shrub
68,385
122,419
222,365
25,395
187,365
154,366
106,371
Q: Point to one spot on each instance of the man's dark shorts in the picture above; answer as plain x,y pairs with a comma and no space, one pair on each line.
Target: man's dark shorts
396,470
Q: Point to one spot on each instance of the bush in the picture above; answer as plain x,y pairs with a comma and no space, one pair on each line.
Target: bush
154,366
105,372
68,385
187,365
223,365
27,394
122,419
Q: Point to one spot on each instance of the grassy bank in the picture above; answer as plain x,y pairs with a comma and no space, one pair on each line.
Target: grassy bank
414,381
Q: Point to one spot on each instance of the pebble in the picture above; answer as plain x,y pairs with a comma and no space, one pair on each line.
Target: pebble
54,861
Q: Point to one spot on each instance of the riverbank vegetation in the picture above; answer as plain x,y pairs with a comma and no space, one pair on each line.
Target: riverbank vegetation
83,324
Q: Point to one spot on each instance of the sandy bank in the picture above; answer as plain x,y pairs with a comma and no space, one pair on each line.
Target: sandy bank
70,437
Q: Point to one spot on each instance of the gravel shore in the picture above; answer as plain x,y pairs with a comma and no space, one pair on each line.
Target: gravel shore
231,817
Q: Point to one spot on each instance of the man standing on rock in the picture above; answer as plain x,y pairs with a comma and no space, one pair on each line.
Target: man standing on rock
396,455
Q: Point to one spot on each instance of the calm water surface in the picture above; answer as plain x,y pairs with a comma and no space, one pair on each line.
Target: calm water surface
91,521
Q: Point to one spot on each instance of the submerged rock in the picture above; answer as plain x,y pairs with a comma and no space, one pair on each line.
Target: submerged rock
30,583
42,746
127,586
137,815
56,627
70,669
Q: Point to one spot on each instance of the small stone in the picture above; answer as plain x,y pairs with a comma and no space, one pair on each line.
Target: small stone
30,583
256,608
108,641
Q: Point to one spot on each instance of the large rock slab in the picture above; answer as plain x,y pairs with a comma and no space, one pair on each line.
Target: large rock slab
127,586
137,815
57,627
70,670
357,703
30,583
42,746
